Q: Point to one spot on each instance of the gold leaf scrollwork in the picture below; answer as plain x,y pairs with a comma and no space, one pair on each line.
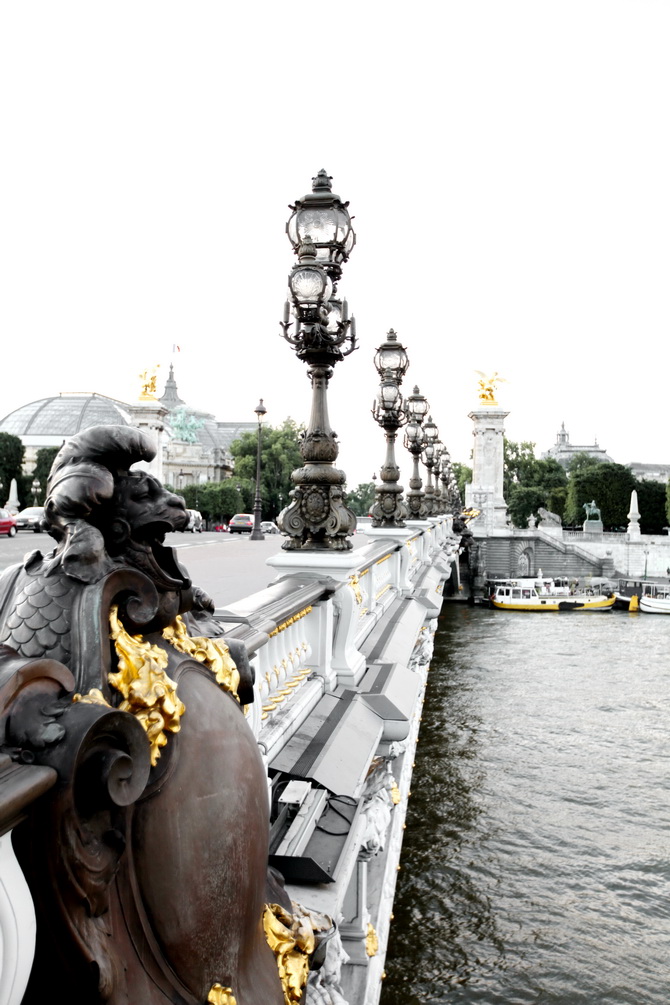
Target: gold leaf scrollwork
291,938
371,941
219,995
94,697
354,583
395,792
148,693
214,653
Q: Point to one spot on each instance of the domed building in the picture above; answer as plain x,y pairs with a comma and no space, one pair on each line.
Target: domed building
192,446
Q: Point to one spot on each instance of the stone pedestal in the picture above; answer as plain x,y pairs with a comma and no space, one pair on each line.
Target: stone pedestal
149,416
486,490
593,527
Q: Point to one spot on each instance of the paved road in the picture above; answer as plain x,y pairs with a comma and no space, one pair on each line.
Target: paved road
227,566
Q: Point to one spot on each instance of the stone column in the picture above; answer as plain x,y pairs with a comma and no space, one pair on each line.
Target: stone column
149,416
488,465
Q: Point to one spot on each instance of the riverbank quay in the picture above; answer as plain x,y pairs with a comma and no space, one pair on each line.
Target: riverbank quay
340,645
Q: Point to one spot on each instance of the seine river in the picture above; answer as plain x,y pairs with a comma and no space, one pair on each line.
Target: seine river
536,862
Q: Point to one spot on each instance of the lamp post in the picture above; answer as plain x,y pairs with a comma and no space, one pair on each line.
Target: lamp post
439,450
36,490
321,334
416,408
257,534
431,435
391,362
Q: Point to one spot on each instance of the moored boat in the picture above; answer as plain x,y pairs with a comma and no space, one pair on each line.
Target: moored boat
656,601
545,595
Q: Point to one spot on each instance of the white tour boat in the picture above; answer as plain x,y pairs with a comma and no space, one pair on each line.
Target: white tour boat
655,600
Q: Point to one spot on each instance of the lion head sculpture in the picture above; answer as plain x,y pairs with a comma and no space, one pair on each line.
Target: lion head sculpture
102,514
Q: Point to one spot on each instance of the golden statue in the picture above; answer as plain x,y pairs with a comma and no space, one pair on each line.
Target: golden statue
149,380
487,387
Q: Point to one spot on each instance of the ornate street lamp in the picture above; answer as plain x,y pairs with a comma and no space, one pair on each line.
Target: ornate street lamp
36,487
416,409
437,490
322,334
257,533
431,436
391,361
322,218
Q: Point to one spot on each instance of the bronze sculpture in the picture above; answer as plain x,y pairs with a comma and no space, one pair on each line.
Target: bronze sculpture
147,859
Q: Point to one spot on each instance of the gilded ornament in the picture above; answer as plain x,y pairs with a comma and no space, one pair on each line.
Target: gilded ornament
487,387
148,692
291,938
395,792
221,996
214,653
371,941
353,582
94,697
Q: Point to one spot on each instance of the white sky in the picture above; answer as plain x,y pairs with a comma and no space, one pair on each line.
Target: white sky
508,165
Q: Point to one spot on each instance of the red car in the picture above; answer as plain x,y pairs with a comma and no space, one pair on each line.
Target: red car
7,523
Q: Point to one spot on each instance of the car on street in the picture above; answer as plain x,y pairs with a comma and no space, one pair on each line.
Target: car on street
269,527
241,523
7,523
194,521
31,519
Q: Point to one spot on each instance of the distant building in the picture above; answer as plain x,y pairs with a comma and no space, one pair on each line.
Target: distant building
650,472
564,451
193,447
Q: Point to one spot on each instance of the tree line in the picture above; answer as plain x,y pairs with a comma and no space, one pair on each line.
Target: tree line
531,484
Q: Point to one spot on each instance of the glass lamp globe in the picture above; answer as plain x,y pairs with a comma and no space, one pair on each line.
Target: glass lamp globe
309,285
417,406
391,358
323,217
430,430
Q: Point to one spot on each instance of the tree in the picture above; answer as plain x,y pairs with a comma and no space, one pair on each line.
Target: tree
608,485
463,476
45,458
361,499
523,503
11,462
280,455
651,504
531,484
218,501
518,463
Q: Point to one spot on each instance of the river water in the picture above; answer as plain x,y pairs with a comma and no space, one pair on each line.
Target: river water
536,860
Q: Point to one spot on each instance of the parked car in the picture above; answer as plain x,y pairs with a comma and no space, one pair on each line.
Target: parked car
241,523
269,527
31,519
194,521
7,523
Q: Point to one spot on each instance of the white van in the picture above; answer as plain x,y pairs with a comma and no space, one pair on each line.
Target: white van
194,521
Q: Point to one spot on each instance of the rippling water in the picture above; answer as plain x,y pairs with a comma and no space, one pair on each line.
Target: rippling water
536,862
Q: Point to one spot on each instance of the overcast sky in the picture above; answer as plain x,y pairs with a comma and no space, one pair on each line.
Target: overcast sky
507,163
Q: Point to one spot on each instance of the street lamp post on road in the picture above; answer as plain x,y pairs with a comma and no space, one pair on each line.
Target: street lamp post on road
36,490
257,533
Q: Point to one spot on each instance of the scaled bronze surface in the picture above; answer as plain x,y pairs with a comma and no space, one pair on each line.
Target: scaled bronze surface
147,856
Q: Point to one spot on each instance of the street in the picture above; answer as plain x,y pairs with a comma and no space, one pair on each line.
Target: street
226,566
